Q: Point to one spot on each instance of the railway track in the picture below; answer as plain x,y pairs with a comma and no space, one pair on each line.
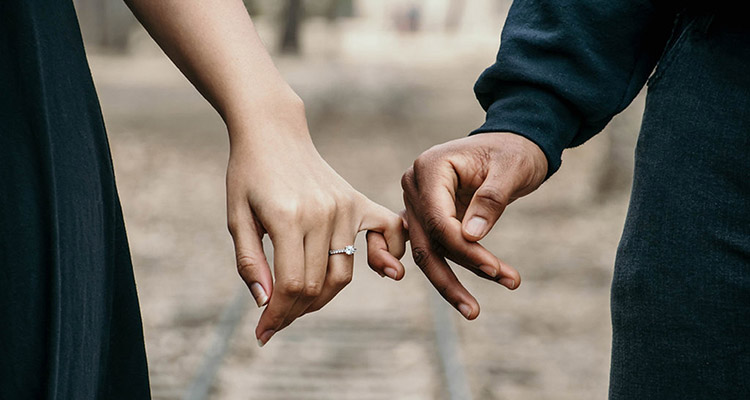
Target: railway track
365,350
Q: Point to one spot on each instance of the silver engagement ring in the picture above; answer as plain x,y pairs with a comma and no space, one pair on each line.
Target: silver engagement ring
348,250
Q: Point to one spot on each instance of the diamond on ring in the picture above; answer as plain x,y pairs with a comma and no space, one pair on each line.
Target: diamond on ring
348,250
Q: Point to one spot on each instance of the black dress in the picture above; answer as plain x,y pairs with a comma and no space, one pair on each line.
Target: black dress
70,326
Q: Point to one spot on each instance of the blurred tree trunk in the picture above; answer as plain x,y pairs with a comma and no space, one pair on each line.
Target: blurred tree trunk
292,18
455,14
105,23
339,8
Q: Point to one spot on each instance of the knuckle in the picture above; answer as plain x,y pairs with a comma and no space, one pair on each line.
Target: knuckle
443,290
435,227
320,207
325,202
312,289
397,218
286,211
394,226
342,280
496,198
343,203
316,214
293,287
276,319
422,163
407,179
435,154
421,256
247,262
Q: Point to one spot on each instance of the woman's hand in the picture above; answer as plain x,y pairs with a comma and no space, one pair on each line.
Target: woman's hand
276,181
281,186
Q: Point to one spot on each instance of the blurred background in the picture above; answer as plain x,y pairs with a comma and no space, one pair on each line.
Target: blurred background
382,80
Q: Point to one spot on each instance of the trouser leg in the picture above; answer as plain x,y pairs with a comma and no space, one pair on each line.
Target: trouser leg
681,289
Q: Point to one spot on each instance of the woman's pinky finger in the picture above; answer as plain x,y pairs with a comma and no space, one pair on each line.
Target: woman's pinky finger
380,260
377,218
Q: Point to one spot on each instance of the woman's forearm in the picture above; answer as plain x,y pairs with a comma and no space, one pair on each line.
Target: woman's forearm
277,183
214,43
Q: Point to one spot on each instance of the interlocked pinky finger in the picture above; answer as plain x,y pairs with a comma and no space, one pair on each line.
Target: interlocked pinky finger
377,218
380,260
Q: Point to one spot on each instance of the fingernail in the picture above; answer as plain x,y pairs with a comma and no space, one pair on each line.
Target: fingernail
465,310
261,298
488,270
265,337
476,226
509,283
392,273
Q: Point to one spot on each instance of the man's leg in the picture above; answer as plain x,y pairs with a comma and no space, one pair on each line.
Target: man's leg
681,290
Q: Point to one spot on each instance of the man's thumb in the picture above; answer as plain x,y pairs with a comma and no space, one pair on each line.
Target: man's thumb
487,204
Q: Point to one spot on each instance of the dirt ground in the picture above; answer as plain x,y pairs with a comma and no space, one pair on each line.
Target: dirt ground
370,115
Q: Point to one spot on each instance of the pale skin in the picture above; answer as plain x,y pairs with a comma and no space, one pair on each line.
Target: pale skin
277,183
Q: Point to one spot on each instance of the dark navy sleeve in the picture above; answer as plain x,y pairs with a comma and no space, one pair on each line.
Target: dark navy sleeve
566,67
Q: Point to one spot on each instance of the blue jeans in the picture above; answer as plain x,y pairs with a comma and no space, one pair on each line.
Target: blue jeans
681,288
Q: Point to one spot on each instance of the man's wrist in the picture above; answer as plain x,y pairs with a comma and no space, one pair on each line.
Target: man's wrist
534,155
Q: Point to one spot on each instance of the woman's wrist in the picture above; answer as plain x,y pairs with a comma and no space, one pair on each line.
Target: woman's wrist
275,117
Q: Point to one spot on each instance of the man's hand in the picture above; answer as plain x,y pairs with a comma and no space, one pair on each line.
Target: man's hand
454,194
